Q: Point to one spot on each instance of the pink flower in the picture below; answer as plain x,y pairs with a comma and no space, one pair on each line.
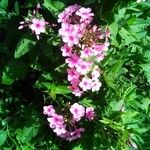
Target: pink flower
71,39
75,82
66,50
86,84
73,60
96,85
95,73
75,134
76,90
77,111
48,110
65,29
90,113
60,130
71,34
64,17
87,52
83,67
38,26
100,57
56,120
85,14
72,74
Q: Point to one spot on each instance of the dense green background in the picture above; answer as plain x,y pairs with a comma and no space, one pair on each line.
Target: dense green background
33,74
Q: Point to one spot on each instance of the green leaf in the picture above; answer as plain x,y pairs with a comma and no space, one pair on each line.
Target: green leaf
87,102
146,104
117,106
114,28
128,116
54,6
62,90
26,134
4,4
3,137
127,36
114,125
55,40
146,69
6,79
15,69
24,45
77,148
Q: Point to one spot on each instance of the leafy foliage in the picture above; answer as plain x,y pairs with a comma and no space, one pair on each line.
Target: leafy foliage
33,74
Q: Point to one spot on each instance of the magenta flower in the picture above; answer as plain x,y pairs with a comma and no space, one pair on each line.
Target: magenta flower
85,14
66,50
96,85
60,130
85,84
86,53
72,74
56,120
37,26
77,111
73,60
75,134
83,67
48,110
95,73
65,127
76,90
90,113
85,45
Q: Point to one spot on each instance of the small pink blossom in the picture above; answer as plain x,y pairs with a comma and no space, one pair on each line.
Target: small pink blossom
83,67
75,82
90,113
20,27
76,90
87,52
48,110
64,17
95,85
73,60
77,111
72,74
38,26
75,134
65,29
71,39
86,84
66,50
85,14
56,120
60,130
100,57
95,73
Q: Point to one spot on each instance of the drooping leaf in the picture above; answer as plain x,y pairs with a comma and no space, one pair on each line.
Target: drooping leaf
3,137
54,6
24,45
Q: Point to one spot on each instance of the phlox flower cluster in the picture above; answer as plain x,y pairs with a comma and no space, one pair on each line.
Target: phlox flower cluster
35,22
85,45
66,127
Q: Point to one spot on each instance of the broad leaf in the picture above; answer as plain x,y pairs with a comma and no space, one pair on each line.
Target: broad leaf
24,46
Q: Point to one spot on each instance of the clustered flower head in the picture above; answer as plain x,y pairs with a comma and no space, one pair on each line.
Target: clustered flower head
85,45
35,22
66,126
